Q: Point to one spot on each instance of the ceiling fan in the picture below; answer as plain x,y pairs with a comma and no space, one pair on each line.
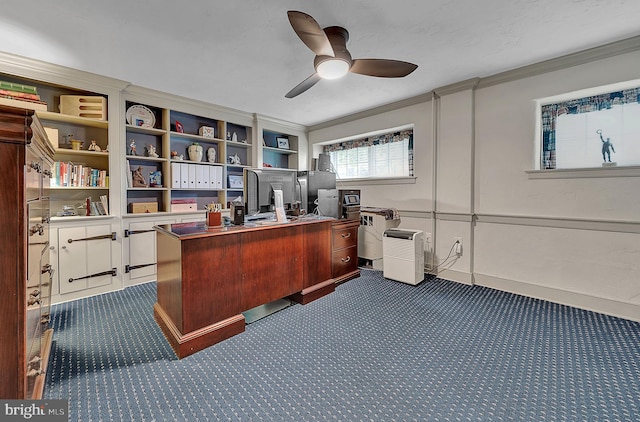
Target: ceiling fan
332,59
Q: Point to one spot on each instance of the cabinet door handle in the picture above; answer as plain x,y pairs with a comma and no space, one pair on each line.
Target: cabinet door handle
128,233
47,269
129,268
111,236
346,235
345,260
36,166
37,228
113,272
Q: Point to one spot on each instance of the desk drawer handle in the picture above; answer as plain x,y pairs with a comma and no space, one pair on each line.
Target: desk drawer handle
345,260
346,235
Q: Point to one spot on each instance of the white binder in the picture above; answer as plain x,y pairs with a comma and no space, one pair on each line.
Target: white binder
200,176
184,175
192,176
175,175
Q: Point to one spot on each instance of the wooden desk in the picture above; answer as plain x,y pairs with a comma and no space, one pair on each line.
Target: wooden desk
208,276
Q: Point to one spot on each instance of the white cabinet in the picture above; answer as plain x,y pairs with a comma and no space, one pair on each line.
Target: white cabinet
84,256
140,249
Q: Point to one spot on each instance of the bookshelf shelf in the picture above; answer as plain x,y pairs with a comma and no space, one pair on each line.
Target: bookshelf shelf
74,120
80,188
147,130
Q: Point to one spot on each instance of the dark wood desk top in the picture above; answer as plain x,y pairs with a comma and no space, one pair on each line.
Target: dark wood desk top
185,231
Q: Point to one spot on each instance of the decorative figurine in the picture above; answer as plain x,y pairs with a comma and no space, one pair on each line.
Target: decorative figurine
151,151
211,155
228,136
234,137
138,179
132,147
175,156
235,159
94,146
607,147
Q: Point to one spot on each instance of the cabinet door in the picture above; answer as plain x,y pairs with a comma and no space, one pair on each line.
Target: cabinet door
142,250
83,260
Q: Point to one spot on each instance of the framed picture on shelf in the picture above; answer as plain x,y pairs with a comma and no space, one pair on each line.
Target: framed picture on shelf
283,143
155,179
235,182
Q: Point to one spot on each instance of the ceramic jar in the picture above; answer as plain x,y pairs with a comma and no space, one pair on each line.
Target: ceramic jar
195,152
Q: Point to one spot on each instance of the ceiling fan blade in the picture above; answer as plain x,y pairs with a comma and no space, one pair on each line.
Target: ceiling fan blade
303,86
310,33
382,68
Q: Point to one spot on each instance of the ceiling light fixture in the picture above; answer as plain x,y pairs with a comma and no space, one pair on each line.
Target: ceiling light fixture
332,68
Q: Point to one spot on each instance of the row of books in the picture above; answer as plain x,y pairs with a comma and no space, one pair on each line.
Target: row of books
98,208
21,95
68,174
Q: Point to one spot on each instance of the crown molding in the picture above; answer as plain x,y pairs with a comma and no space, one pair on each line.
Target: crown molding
262,119
586,56
469,84
418,99
58,75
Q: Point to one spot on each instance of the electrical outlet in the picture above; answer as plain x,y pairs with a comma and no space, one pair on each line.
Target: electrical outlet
427,241
458,245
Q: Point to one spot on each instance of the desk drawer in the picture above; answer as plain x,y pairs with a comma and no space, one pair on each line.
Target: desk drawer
344,237
344,261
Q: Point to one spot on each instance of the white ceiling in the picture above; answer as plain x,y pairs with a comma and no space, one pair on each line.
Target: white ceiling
244,54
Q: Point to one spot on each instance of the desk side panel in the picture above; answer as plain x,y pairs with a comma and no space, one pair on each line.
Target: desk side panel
212,289
169,277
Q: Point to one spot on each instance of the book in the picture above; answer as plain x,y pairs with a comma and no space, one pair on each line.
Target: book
129,175
104,201
19,95
13,86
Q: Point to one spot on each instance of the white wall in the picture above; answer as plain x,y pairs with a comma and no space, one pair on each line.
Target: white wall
572,240
573,255
412,196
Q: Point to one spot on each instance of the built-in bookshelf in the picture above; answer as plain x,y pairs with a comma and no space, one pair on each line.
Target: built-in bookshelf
195,160
279,150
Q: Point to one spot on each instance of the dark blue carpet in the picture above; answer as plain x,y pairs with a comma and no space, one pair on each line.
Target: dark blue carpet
374,350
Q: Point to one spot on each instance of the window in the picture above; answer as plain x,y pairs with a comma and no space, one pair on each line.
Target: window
381,156
599,130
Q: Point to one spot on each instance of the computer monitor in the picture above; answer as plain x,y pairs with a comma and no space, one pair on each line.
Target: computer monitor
259,185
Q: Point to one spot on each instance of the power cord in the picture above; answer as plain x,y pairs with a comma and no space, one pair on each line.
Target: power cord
454,246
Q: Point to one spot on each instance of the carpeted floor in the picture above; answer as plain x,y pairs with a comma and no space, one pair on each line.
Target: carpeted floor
374,350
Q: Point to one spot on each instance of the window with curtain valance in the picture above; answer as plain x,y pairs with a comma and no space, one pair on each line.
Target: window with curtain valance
384,155
592,131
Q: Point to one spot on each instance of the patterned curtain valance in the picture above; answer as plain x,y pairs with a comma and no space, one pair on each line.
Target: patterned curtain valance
371,141
551,112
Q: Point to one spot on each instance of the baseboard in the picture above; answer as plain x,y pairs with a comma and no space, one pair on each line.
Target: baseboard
457,276
578,300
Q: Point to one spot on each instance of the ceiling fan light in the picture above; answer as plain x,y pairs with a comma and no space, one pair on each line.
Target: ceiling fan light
332,68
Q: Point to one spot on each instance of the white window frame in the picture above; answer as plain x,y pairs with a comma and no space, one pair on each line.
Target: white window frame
377,180
541,173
